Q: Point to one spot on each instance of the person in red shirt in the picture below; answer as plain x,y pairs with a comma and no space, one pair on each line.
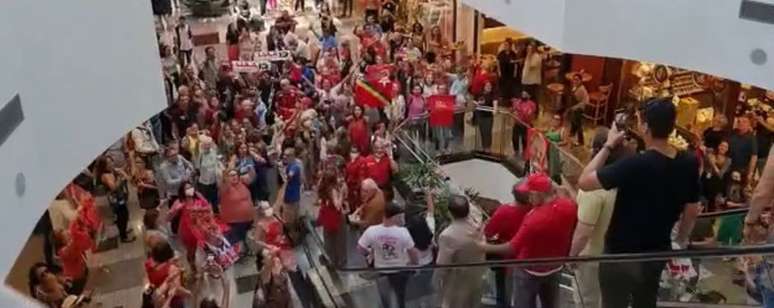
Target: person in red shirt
71,248
546,232
441,107
286,99
480,78
331,217
354,174
163,270
380,166
525,110
358,130
500,228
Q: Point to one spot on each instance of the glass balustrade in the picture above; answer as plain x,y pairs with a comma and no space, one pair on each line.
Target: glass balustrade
706,273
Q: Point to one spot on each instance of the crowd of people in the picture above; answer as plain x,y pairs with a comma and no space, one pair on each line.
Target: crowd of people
320,123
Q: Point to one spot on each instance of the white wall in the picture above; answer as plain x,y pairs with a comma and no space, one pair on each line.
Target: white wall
701,35
86,71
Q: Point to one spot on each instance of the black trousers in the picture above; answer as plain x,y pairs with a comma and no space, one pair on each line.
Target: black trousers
395,283
485,128
210,192
576,125
122,218
185,56
299,5
518,132
626,283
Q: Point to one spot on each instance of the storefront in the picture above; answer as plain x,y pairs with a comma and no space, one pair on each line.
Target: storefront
617,85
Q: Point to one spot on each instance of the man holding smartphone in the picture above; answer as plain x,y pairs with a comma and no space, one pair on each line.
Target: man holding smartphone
656,189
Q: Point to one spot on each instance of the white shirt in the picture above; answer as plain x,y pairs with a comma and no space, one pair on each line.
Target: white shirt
533,65
62,213
185,39
388,245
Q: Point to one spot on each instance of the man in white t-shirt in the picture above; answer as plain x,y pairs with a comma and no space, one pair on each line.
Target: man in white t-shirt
390,245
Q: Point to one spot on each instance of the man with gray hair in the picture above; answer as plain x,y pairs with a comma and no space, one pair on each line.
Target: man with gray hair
371,209
457,244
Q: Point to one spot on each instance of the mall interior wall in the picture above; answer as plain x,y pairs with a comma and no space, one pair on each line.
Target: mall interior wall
701,35
85,72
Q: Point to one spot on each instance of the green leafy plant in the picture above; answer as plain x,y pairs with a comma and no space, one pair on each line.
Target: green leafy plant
423,178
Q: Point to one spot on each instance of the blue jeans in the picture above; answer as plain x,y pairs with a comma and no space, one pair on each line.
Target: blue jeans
764,282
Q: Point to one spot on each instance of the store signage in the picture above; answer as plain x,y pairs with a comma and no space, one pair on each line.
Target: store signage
249,66
281,55
757,11
11,116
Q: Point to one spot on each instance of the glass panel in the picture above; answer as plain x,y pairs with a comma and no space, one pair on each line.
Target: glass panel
697,281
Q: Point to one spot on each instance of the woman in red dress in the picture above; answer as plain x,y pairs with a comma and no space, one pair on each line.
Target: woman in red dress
192,208
331,217
358,131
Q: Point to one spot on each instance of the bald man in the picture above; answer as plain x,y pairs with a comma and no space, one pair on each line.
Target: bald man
371,210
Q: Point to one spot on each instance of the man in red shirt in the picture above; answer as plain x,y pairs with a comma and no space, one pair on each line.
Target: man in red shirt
286,99
380,166
525,110
546,232
354,174
500,228
441,107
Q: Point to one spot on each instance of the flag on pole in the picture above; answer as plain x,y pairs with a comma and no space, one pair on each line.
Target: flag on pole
367,95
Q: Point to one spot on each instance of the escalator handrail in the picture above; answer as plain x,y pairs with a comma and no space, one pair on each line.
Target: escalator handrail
767,249
605,258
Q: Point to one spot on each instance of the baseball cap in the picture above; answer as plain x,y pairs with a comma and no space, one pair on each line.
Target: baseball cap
536,182
392,209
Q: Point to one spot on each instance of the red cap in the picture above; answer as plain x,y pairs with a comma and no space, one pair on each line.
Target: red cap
536,182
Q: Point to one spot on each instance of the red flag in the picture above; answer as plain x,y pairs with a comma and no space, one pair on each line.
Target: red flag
367,95
376,72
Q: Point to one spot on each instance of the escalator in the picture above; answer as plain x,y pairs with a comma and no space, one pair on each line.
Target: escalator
711,280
